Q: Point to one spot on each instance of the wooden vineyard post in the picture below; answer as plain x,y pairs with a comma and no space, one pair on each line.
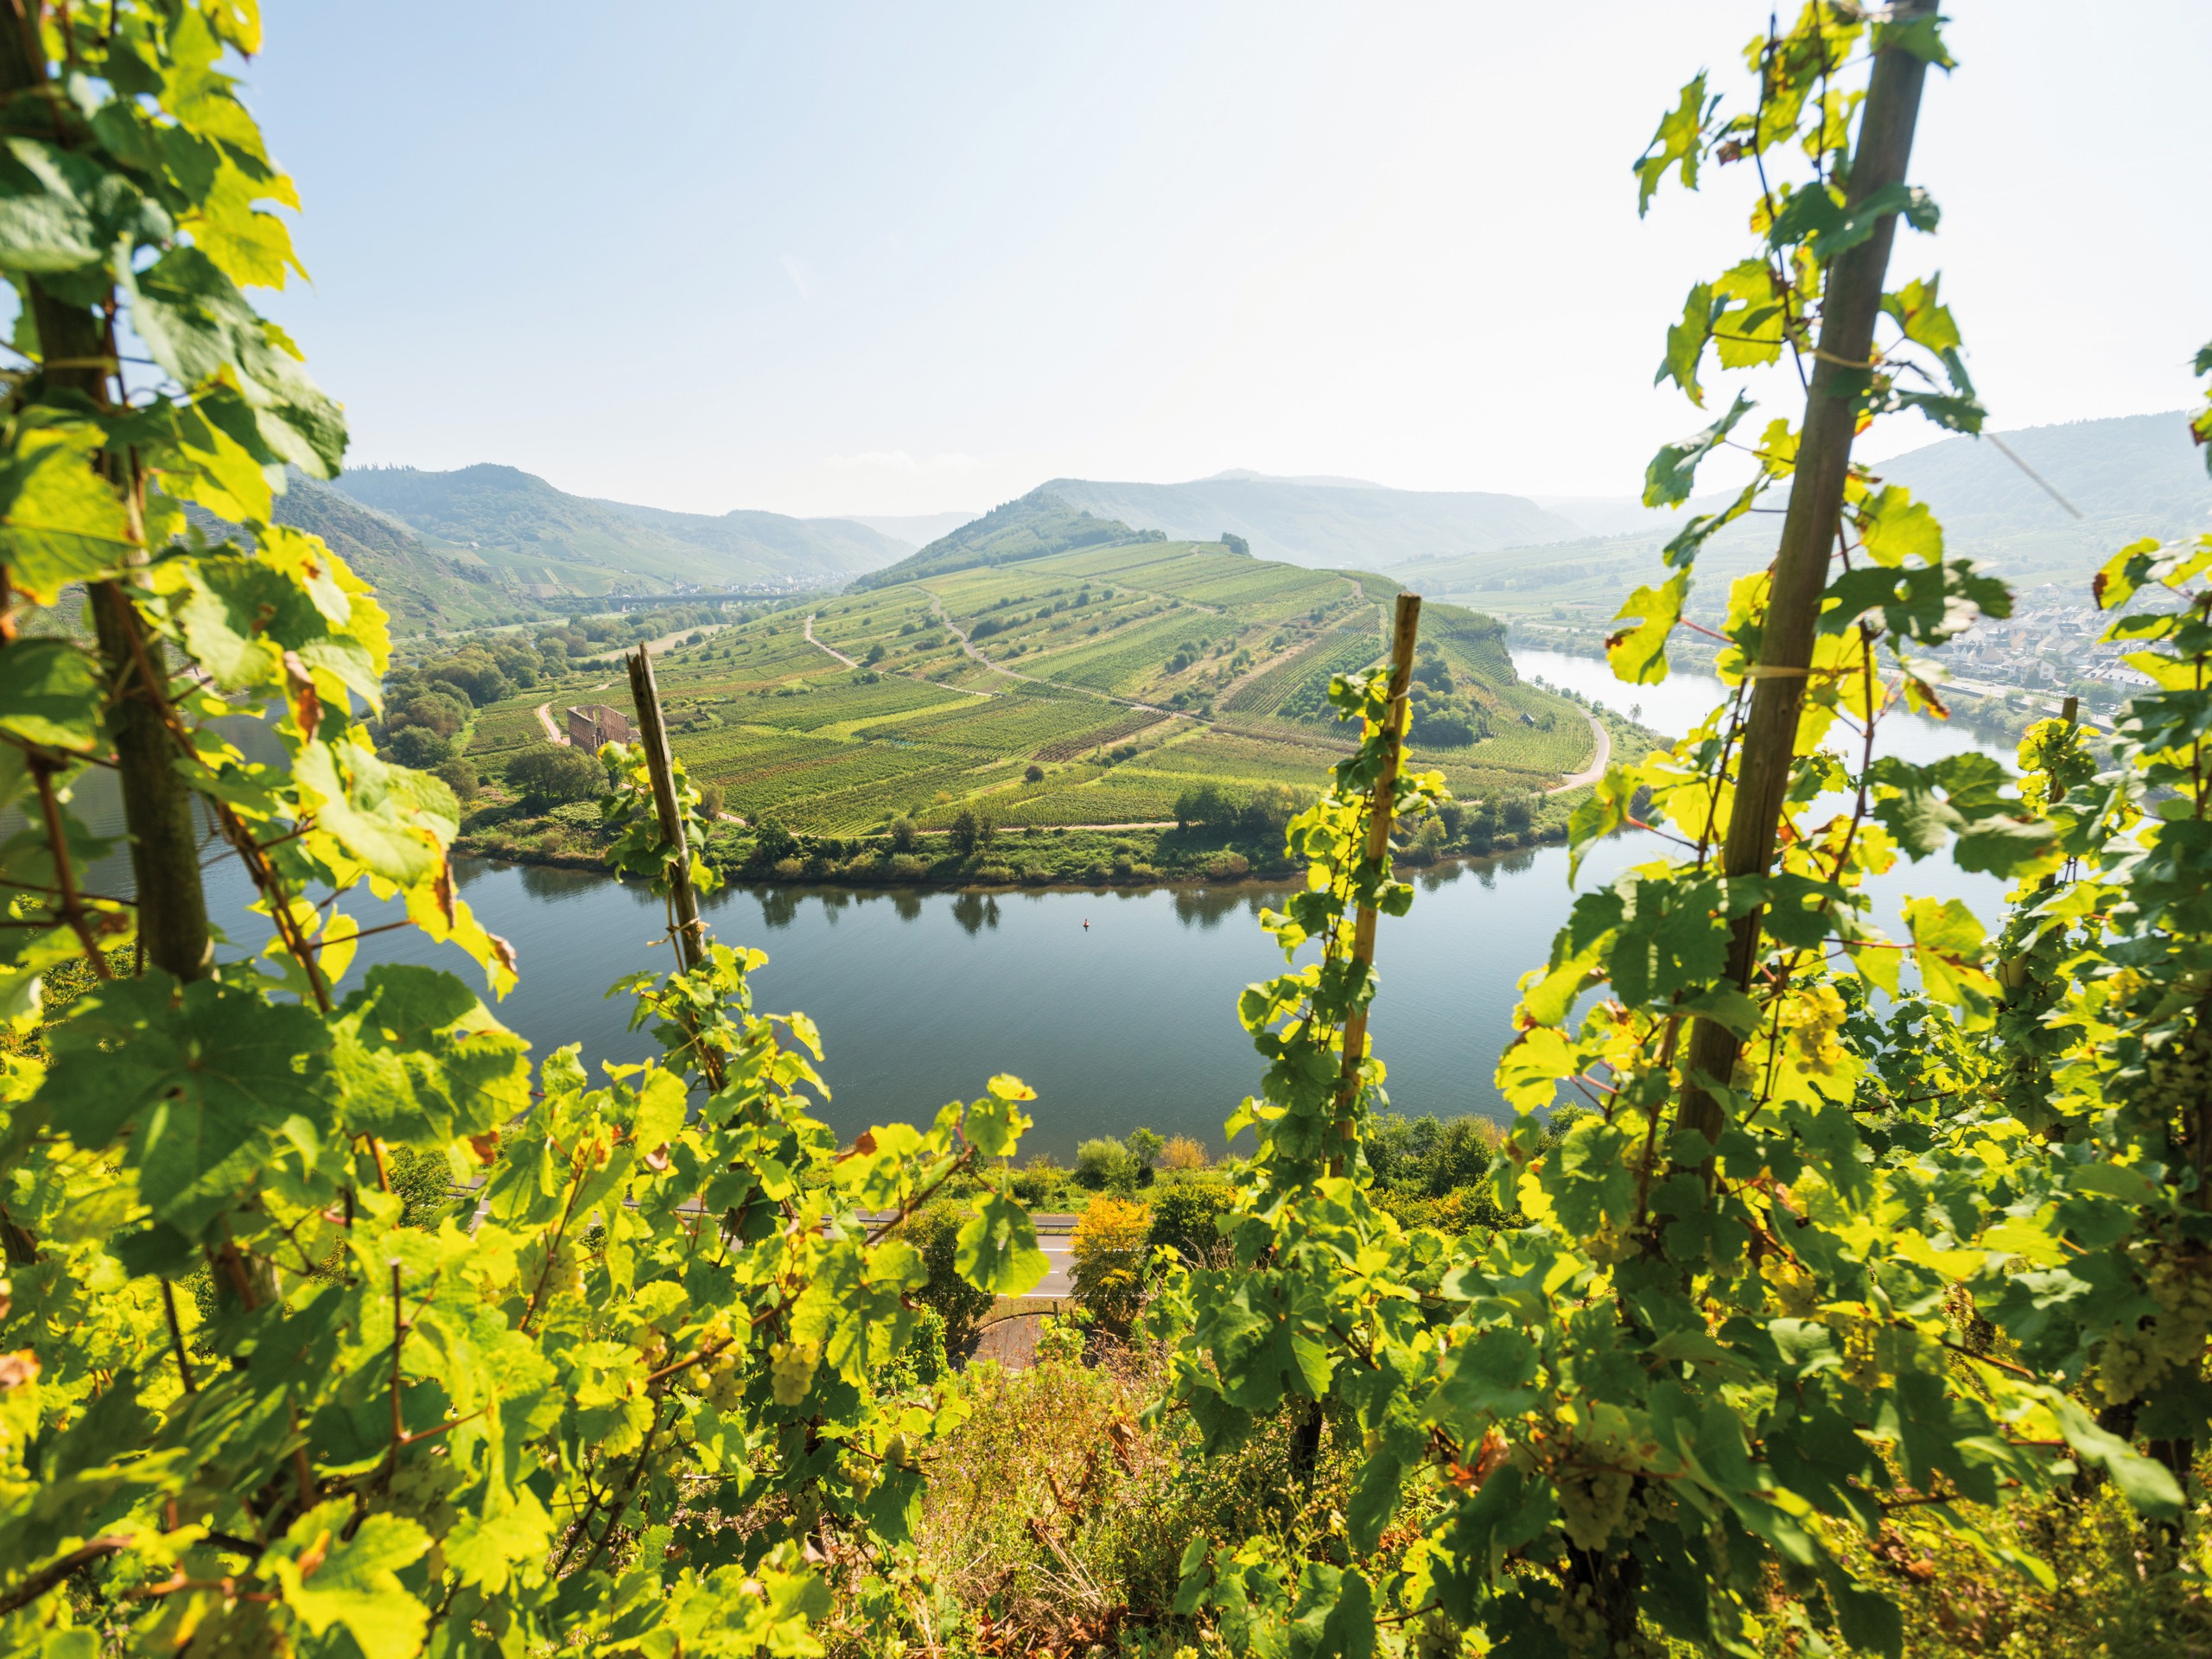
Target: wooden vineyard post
1852,302
1381,809
690,931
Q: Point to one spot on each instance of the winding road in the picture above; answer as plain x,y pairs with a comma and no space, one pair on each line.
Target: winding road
1599,763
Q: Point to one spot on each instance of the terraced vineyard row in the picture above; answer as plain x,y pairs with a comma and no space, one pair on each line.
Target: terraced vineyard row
1011,725
788,731
502,727
1265,693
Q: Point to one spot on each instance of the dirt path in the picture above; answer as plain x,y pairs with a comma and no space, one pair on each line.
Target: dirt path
553,733
968,646
918,679
825,645
1596,767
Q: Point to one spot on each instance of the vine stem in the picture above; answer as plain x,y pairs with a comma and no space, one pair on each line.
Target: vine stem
1381,810
176,1335
684,898
1851,302
52,1573
72,908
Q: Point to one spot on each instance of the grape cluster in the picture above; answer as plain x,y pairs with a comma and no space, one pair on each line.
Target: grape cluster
1594,1502
2129,1363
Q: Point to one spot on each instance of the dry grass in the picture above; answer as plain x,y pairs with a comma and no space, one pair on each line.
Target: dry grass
1049,1514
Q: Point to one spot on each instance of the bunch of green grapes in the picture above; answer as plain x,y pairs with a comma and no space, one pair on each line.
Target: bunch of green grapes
1594,1502
2129,1363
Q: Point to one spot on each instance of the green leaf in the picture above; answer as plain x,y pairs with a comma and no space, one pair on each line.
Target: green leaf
61,210
61,521
2145,1483
1816,215
1894,528
1686,344
1672,475
51,694
995,1123
423,1063
197,325
997,1248
330,1579
1639,655
396,822
1678,143
206,1076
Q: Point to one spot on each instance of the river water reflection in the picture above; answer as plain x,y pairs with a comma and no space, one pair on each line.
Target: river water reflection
922,996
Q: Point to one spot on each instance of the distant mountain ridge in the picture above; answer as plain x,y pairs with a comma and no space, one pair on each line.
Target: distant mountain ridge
1321,524
1029,527
539,542
2128,476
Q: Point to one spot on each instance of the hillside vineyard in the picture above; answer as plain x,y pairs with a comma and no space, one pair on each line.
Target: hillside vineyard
1122,674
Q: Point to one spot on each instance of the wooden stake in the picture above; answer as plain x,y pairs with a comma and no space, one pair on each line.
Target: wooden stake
1853,302
690,931
1380,810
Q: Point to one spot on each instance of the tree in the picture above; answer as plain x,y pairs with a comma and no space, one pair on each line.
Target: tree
771,842
904,835
935,1230
1110,1253
876,653
551,774
460,777
1236,543
1103,1163
418,746
1033,773
1204,803
1145,1148
965,831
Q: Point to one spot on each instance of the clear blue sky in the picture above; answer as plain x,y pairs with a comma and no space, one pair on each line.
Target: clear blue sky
888,258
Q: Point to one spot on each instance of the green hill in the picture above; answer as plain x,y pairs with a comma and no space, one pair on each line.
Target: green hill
1321,523
540,541
1092,684
2128,477
1035,525
424,587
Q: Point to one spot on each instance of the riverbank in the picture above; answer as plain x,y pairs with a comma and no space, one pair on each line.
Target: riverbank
570,838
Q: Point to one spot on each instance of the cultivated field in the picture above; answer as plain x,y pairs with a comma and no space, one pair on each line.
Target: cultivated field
1123,674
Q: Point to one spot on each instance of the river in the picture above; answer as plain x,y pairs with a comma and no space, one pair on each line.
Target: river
921,996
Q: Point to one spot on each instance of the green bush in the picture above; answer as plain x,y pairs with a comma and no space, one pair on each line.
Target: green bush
1104,1165
1183,1213
934,1231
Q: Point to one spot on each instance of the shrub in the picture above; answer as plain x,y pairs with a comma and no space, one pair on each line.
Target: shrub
418,746
1111,1249
1041,1181
1183,1216
1204,803
1183,1151
934,1230
1145,1147
906,867
549,774
711,801
771,842
459,776
1105,1163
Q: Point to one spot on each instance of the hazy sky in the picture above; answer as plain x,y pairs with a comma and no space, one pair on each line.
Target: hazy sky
906,257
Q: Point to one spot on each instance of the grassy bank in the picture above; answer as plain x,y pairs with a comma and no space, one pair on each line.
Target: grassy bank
571,837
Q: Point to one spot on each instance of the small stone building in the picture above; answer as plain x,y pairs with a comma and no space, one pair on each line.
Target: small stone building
596,724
